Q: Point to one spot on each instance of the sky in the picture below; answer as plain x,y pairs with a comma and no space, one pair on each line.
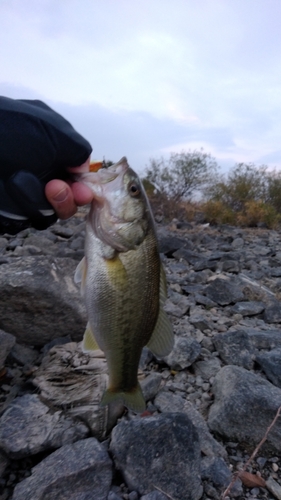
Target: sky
146,78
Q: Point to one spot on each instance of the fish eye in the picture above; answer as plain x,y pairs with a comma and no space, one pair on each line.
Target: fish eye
134,189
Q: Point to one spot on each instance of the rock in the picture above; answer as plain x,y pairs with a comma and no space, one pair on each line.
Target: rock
3,242
150,385
23,355
45,244
113,496
193,289
169,244
230,266
179,308
276,272
273,487
239,397
80,471
208,444
205,301
166,402
4,461
250,308
200,322
39,300
270,363
64,232
268,339
170,403
235,348
223,292
190,257
154,495
185,351
28,427
272,312
215,469
237,243
205,264
160,451
207,368
7,341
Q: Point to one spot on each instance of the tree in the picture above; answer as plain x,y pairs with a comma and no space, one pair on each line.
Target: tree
244,183
274,189
182,174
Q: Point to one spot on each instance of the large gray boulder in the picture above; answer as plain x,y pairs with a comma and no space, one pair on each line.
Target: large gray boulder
39,300
245,405
159,452
28,427
80,471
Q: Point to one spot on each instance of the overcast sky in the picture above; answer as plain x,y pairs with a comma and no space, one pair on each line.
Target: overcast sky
145,78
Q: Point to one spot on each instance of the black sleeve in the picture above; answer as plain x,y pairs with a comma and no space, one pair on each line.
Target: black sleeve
36,145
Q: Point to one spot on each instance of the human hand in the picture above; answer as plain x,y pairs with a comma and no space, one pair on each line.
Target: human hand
39,150
65,197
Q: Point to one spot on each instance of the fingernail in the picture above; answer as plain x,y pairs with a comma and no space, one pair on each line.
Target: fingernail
61,195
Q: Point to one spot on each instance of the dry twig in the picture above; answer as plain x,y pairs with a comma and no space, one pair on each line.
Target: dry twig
164,492
236,476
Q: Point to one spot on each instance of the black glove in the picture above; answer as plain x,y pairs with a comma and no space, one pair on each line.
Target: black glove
36,145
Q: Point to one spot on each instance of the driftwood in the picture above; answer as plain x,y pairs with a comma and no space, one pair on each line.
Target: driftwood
75,381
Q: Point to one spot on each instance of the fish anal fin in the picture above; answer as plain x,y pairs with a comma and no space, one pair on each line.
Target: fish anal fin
162,339
132,399
89,341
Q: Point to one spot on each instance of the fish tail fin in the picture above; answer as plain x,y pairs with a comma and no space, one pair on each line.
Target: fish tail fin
132,399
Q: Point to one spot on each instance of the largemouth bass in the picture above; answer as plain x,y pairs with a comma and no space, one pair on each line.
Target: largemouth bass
122,281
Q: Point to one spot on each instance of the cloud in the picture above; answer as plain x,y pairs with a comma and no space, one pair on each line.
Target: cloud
147,79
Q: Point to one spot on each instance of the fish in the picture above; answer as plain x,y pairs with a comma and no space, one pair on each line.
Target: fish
122,281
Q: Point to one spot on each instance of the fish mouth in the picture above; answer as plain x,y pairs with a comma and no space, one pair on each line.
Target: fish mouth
94,179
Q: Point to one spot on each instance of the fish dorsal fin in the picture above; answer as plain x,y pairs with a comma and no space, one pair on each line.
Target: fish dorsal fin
162,339
89,341
80,274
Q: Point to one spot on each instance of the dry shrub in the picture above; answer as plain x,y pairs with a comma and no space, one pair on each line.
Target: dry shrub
169,208
258,212
218,213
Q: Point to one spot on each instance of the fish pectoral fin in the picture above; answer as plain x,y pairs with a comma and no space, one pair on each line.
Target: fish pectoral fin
162,339
80,274
89,341
132,399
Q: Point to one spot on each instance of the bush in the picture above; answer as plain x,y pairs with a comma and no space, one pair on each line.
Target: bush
217,213
244,183
274,190
183,174
256,212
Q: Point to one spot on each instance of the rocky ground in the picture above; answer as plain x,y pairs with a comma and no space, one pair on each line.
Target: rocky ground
209,403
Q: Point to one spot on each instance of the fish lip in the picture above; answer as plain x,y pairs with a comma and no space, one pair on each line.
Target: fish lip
103,176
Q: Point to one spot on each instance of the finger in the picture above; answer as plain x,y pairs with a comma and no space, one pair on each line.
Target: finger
82,193
60,195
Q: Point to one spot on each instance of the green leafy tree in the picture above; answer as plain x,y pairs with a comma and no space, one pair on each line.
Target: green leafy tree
182,174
